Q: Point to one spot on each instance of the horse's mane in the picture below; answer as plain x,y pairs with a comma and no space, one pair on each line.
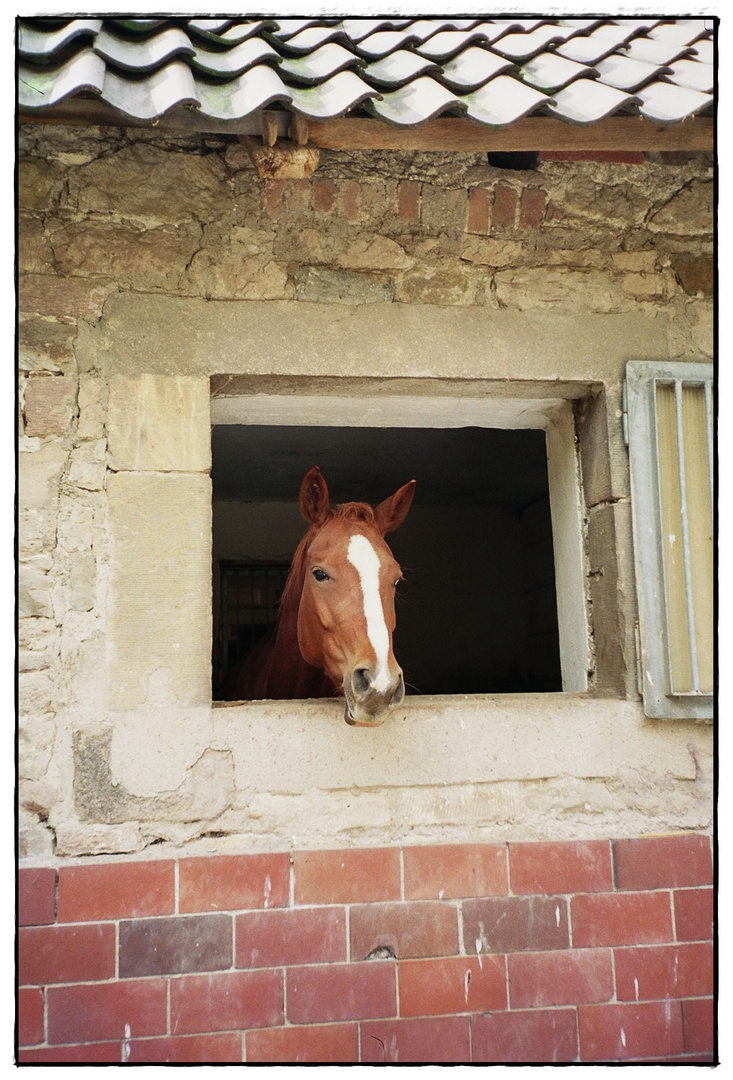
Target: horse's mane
352,511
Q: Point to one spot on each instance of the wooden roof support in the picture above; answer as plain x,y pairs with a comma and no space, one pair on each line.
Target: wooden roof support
299,129
443,134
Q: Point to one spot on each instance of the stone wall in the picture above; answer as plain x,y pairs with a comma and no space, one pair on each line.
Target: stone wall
150,263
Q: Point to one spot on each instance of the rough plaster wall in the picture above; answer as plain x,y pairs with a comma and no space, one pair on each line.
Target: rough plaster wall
123,238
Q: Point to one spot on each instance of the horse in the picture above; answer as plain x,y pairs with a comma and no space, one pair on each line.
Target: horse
333,633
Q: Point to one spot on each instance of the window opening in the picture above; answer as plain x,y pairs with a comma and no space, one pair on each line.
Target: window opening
249,597
477,612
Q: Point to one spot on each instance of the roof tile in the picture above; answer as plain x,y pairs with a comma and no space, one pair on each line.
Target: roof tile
669,104
550,72
587,100
402,70
398,68
504,100
474,68
420,100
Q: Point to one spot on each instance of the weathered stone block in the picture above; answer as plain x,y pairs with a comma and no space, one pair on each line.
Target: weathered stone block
38,643
489,251
34,253
39,477
46,294
50,404
183,186
39,184
526,288
689,212
92,407
131,255
605,584
342,286
34,589
695,273
445,284
159,423
160,590
206,790
82,580
88,465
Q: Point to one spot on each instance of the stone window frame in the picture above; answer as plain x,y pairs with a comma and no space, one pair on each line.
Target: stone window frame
550,407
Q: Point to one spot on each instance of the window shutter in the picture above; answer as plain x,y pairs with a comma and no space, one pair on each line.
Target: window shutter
671,455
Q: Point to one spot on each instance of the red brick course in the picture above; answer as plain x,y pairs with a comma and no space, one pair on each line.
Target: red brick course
36,890
594,951
443,872
346,877
234,882
128,890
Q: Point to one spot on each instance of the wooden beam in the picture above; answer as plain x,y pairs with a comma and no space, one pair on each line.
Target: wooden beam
299,129
532,133
444,134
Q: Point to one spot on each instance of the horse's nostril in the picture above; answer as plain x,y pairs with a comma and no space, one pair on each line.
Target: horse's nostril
361,681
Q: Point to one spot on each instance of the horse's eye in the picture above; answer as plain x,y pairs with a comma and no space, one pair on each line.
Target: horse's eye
320,575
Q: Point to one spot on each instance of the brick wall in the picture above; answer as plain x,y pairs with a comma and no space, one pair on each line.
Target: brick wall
537,951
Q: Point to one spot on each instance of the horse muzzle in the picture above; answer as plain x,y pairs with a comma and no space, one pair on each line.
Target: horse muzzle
367,703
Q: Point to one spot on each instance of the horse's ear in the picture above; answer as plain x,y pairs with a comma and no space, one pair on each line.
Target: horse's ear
392,512
314,501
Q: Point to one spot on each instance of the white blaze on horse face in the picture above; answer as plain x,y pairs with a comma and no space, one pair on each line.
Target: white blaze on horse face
364,558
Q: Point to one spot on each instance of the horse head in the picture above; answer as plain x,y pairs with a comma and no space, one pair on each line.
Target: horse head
346,614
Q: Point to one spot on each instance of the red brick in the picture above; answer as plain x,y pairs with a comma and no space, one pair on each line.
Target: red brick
618,1032
176,945
274,190
408,200
347,877
116,891
323,1044
301,936
628,919
99,1011
333,992
694,910
663,862
444,1038
349,198
531,1036
478,211
421,928
455,870
199,1049
36,896
88,1053
30,1016
323,194
455,984
505,207
226,1001
567,977
515,924
65,954
532,208
233,882
664,971
572,867
698,1024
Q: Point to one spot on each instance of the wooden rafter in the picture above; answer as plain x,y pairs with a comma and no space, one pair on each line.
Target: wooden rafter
443,134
